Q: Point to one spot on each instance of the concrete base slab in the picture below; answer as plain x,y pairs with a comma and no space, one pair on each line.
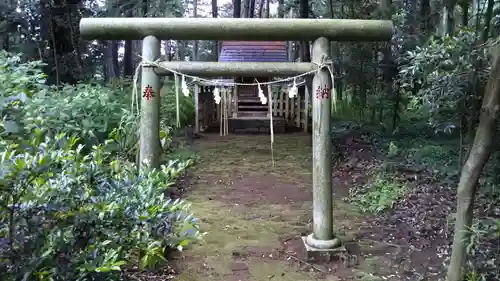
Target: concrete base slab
322,255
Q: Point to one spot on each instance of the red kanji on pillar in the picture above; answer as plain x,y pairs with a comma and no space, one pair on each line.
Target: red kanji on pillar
148,93
322,93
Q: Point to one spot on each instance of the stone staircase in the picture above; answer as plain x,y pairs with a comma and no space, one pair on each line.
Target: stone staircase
249,104
252,114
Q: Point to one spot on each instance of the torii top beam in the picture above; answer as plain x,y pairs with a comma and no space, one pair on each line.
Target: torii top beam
235,29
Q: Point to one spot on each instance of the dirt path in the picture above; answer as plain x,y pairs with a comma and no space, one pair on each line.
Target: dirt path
255,213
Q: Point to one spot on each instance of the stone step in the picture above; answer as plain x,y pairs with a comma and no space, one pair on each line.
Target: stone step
262,107
252,113
250,124
249,100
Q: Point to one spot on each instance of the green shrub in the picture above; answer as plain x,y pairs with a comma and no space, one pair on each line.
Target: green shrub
380,195
76,208
69,216
126,137
435,155
393,150
169,108
89,111
18,83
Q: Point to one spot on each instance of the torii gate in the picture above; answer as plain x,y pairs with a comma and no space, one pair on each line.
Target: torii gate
152,30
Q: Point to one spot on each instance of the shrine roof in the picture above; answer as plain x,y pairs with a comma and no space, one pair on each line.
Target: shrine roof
253,51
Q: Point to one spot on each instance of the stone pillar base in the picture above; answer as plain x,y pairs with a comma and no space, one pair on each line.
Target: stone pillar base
322,250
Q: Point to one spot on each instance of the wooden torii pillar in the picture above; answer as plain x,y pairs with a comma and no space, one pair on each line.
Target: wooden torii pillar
321,31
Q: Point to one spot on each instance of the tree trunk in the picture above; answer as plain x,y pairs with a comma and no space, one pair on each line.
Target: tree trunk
476,13
471,171
74,40
182,50
464,6
111,59
473,103
251,9
487,20
281,9
215,12
128,68
330,5
389,70
5,41
168,50
114,58
305,54
54,46
246,7
448,17
137,49
268,8
425,12
111,53
261,8
291,54
237,8
145,9
195,42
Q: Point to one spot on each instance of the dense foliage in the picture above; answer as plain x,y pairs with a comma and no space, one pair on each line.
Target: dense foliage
73,206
